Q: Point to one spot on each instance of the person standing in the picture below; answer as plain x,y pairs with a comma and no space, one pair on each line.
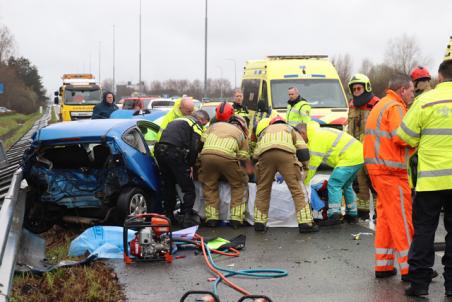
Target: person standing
280,148
176,154
239,108
386,160
224,154
359,108
298,109
182,107
428,127
105,108
421,79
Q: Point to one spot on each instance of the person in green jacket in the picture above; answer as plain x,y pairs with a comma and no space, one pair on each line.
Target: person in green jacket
298,109
344,154
182,107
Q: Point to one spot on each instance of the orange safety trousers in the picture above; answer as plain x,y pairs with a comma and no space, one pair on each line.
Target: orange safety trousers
394,230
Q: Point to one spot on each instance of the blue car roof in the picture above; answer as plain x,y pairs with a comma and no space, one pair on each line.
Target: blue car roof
85,129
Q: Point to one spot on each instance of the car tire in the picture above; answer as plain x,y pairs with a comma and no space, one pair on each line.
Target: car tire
132,201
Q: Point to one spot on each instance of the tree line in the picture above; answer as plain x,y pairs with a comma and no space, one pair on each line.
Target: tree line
23,88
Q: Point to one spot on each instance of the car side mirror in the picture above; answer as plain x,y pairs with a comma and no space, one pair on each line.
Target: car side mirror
56,100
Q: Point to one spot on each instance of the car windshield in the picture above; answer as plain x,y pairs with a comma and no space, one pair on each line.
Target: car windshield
319,93
81,97
210,110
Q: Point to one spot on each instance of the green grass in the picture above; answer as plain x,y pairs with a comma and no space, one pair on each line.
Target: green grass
13,127
53,116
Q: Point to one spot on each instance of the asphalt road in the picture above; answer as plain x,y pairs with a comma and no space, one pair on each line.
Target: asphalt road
326,266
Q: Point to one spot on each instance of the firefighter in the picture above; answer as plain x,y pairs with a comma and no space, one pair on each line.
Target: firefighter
344,153
223,113
280,148
385,156
176,154
182,107
421,79
224,154
239,108
298,109
428,127
360,105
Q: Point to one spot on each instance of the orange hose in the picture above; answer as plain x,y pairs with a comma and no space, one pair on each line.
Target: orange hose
217,272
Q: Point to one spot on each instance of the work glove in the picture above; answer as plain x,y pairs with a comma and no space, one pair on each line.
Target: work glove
279,178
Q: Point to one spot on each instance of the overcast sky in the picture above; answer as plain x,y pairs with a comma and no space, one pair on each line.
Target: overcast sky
63,36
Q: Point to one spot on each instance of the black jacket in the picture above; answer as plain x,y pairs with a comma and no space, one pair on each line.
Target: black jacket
104,109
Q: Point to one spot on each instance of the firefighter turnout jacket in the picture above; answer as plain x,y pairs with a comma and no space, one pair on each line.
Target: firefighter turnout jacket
225,140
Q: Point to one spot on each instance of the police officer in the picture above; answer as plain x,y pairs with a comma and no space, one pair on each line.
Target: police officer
239,108
280,148
298,109
224,154
176,154
428,126
360,106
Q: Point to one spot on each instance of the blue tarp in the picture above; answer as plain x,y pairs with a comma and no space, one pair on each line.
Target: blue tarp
105,241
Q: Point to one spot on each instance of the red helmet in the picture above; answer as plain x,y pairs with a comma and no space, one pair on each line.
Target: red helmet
224,111
277,119
419,73
239,121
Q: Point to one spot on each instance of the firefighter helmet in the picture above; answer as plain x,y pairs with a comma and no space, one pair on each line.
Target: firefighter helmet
448,55
420,73
224,111
277,119
360,78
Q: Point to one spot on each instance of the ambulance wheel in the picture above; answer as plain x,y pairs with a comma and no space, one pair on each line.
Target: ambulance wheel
133,201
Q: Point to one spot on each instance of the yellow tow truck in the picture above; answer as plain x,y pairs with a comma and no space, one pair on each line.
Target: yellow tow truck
77,96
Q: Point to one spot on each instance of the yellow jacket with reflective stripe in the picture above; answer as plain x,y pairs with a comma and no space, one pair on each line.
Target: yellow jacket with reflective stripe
332,147
428,126
173,114
279,136
225,140
300,112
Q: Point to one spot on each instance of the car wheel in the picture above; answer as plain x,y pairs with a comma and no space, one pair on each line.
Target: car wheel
133,201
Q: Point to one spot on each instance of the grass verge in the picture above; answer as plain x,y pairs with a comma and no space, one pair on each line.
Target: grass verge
95,282
53,116
14,126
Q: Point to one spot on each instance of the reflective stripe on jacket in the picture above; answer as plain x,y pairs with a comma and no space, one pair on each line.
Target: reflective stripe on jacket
279,136
384,151
428,126
332,147
298,113
225,140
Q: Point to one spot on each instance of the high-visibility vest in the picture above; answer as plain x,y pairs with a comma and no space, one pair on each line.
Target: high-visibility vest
384,151
428,126
298,113
332,147
173,114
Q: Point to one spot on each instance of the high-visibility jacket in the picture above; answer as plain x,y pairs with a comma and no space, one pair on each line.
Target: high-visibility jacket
225,140
279,136
298,111
428,126
242,111
173,114
384,151
332,147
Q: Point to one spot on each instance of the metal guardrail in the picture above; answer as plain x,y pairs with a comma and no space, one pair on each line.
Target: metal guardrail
11,217
12,209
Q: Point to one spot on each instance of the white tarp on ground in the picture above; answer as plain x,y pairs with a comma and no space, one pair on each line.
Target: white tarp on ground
282,208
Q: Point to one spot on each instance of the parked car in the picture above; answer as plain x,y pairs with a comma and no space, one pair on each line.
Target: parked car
90,171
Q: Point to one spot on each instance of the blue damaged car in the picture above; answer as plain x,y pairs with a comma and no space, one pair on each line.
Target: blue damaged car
90,171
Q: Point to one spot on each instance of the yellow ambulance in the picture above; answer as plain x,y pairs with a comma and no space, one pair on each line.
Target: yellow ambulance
267,81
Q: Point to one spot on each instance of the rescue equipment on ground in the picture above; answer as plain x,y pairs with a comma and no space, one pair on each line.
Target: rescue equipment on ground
153,239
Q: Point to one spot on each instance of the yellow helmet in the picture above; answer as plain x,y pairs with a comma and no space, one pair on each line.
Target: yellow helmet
448,55
360,78
264,123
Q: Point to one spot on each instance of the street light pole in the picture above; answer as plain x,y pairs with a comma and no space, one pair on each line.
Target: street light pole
99,61
139,55
235,72
114,59
205,54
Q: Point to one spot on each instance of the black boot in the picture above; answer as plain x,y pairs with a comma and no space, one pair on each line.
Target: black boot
407,278
212,223
386,274
334,219
308,227
260,227
191,219
416,292
235,224
351,219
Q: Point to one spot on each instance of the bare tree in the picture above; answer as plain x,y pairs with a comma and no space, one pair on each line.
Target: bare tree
403,54
7,44
366,66
343,64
